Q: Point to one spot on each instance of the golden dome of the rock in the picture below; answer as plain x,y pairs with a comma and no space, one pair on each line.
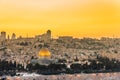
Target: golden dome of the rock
44,52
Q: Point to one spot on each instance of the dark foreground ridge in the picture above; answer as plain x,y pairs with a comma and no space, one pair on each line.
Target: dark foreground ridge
105,65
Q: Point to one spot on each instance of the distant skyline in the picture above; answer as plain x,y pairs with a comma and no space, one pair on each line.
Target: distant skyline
77,18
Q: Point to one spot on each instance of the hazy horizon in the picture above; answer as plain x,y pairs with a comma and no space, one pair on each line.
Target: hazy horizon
77,18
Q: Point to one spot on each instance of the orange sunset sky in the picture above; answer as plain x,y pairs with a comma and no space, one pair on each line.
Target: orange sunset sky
78,18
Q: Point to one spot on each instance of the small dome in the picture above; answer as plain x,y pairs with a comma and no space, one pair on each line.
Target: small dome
44,52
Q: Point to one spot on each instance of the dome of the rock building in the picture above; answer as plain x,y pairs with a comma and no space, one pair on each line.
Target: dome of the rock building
44,52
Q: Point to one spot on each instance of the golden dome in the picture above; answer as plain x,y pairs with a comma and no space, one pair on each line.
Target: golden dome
44,52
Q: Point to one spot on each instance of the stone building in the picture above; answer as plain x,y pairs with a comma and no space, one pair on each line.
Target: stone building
3,38
44,37
13,36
